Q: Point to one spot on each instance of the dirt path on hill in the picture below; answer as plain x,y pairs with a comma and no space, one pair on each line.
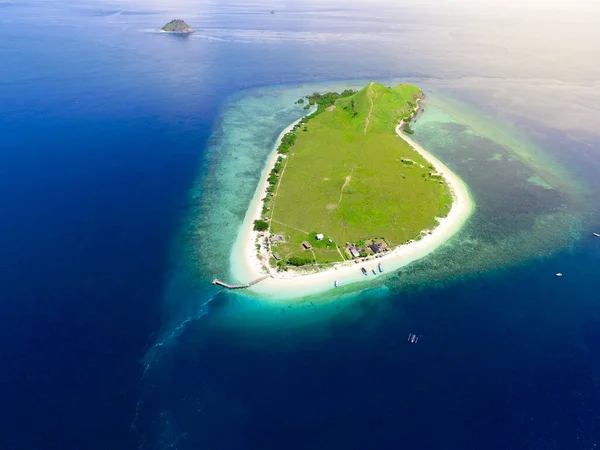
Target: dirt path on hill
372,100
346,183
340,252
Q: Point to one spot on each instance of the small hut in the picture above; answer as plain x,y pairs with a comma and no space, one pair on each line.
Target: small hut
354,252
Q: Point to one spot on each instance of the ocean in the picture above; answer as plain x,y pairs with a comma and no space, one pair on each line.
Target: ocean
128,161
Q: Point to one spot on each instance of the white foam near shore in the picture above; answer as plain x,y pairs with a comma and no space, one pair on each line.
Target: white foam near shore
246,265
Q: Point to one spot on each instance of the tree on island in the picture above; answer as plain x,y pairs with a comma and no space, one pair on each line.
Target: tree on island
261,225
300,261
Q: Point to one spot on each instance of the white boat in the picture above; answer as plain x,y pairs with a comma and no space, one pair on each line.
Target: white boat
596,234
336,283
413,338
559,274
380,267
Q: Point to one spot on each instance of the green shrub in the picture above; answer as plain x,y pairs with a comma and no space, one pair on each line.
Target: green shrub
300,261
260,225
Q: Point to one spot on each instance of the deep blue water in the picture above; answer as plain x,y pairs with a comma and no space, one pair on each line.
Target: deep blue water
104,128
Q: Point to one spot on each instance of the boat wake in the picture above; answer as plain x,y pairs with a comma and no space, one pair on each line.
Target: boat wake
153,358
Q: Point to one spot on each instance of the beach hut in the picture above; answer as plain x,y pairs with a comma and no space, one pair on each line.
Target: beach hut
306,245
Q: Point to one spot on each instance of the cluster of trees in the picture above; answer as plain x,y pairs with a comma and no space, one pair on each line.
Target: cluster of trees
261,225
407,128
300,261
324,101
287,141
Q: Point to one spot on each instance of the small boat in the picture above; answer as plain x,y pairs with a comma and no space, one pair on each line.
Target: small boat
374,273
363,270
559,274
413,338
596,234
336,283
380,267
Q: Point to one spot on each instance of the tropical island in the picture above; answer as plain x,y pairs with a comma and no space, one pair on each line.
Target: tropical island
177,26
348,194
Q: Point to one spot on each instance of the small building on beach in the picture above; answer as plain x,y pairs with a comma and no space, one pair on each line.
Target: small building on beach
306,245
320,237
277,256
354,252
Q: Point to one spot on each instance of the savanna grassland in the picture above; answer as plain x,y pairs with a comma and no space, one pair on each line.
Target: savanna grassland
347,175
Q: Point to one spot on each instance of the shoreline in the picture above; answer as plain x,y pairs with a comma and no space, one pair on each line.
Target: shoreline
246,265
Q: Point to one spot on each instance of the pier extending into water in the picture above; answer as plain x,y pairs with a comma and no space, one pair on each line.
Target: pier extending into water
239,286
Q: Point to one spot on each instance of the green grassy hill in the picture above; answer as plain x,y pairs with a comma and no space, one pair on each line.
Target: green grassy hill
349,176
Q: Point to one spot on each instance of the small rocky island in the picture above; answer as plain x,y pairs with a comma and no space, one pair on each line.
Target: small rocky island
177,26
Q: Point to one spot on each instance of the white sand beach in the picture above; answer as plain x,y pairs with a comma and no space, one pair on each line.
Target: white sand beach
246,265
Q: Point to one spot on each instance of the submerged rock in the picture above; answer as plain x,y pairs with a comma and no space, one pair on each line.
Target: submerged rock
178,26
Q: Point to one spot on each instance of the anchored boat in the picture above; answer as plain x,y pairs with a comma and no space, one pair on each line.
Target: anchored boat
380,267
364,271
336,283
596,234
413,338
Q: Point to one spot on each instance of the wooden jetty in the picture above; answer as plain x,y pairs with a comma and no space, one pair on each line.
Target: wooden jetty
239,286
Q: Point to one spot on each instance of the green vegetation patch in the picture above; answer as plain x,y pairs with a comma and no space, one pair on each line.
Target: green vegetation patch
261,225
177,26
351,178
